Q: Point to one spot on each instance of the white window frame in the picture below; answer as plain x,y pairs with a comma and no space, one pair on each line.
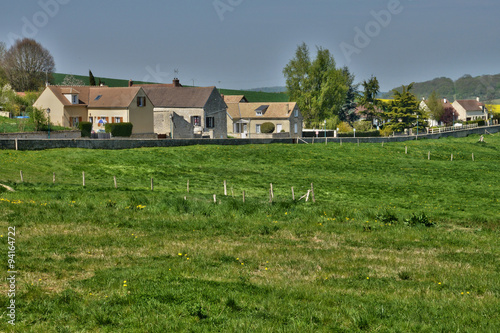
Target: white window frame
279,128
257,128
74,99
296,113
296,128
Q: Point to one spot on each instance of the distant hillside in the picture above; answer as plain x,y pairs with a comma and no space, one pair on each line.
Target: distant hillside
486,87
270,89
252,96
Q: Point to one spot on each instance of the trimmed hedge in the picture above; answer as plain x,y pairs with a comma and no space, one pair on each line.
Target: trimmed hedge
360,134
119,129
267,127
86,128
479,122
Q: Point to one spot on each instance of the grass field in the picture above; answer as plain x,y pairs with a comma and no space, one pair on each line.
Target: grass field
394,242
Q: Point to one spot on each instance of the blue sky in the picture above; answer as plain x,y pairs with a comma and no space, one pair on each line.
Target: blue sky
246,43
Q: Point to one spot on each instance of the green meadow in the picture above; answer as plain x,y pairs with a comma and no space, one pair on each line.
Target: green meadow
394,242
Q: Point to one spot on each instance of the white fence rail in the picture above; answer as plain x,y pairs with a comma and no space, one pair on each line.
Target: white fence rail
451,128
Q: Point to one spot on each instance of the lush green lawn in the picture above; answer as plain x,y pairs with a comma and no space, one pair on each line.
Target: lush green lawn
359,259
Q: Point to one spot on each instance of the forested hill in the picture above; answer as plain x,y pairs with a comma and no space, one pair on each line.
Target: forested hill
486,87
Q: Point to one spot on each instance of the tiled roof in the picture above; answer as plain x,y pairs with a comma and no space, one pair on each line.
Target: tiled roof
248,110
235,99
179,97
471,104
112,97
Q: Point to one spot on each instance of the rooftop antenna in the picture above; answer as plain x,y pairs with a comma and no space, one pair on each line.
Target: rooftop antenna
176,72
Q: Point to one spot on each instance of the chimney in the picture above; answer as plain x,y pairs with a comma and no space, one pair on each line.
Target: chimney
176,82
130,83
477,99
445,101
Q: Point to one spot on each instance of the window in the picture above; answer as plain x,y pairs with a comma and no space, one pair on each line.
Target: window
91,120
75,99
258,113
75,121
257,128
296,113
196,120
141,101
210,122
279,128
118,119
296,128
97,98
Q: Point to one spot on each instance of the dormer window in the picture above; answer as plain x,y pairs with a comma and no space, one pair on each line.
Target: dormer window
261,110
74,99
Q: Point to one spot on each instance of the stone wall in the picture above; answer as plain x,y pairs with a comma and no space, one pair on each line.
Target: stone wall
40,144
42,135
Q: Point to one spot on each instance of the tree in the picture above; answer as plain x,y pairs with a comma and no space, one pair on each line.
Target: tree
37,118
27,63
404,109
318,87
449,116
435,106
91,79
3,75
371,89
70,80
347,112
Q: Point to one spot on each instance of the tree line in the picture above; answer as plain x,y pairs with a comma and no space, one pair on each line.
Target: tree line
328,95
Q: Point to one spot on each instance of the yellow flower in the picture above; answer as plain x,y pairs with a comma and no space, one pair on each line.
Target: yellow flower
179,254
368,278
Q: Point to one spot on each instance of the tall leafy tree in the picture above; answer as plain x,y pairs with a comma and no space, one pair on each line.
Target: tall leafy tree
27,64
371,89
3,75
347,112
318,87
91,79
435,106
404,109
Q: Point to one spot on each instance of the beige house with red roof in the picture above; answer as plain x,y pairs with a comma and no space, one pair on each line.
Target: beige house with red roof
70,105
435,122
245,119
470,109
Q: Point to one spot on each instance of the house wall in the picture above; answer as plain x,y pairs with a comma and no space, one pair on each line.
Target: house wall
142,116
72,111
217,108
182,127
48,100
96,113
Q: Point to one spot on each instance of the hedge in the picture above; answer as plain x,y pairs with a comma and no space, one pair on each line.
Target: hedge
119,129
360,134
267,127
85,127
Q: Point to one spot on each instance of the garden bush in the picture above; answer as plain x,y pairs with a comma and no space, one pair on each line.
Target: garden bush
267,127
119,129
86,128
360,134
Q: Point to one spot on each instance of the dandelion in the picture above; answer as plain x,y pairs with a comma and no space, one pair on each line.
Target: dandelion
368,278
179,254
266,268
242,263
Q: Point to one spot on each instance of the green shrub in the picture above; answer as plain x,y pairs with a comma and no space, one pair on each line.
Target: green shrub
416,220
86,128
267,127
119,129
363,126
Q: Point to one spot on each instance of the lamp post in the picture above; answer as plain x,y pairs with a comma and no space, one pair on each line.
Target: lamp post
48,121
324,128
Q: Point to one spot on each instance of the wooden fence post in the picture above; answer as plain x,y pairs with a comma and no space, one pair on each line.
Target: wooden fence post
215,198
429,155
406,149
452,157
53,177
114,181
293,194
271,195
22,178
188,186
152,184
83,177
17,147
225,187
243,196
271,191
312,193
472,157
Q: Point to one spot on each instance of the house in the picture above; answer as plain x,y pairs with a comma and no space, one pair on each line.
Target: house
469,109
188,112
436,122
246,119
67,106
235,99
